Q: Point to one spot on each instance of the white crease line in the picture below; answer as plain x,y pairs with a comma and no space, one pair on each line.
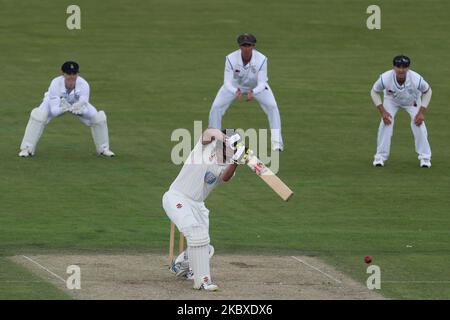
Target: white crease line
324,273
418,281
42,267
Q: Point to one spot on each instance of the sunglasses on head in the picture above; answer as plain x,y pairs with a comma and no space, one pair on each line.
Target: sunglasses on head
402,62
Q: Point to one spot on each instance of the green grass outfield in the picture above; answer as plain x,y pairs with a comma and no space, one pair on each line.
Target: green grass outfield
155,66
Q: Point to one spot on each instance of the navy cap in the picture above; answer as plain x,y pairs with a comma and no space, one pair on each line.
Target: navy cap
401,61
70,67
246,38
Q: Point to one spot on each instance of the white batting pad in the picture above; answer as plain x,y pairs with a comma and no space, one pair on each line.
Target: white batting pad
197,236
199,262
99,129
198,253
34,129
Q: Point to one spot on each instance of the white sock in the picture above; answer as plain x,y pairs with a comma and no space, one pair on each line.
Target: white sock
199,262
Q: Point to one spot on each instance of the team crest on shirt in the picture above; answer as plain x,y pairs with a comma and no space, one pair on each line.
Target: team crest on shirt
210,178
212,156
179,205
253,69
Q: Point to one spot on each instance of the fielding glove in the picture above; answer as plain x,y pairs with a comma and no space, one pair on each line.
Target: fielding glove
79,108
64,105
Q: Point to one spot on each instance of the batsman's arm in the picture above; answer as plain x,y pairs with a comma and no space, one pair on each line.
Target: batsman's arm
211,134
229,172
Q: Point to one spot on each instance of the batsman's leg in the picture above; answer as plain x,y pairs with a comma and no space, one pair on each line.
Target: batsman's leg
180,213
198,254
180,264
181,210
221,103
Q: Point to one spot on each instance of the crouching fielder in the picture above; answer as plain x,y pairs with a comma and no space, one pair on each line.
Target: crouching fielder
403,89
204,169
246,73
67,93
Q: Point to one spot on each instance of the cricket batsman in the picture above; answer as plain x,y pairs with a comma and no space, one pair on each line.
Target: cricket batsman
213,160
68,93
246,73
406,89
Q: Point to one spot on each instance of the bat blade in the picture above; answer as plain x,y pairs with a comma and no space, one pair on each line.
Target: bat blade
270,178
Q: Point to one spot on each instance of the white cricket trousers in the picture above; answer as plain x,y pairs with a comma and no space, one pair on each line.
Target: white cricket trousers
184,212
385,132
266,100
192,218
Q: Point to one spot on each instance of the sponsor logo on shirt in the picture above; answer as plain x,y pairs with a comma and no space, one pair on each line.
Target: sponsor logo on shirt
210,178
179,205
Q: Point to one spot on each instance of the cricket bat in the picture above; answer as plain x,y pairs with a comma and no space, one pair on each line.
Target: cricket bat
269,177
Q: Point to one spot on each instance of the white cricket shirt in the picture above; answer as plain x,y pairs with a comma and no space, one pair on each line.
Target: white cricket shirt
407,94
252,76
201,172
57,90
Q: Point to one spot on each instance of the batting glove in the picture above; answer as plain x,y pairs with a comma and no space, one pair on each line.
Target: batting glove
241,155
233,140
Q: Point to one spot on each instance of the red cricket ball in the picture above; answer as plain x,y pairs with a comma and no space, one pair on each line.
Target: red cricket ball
367,259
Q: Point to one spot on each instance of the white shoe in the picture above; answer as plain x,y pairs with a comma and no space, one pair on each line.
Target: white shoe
25,153
425,163
207,285
276,146
378,162
107,153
